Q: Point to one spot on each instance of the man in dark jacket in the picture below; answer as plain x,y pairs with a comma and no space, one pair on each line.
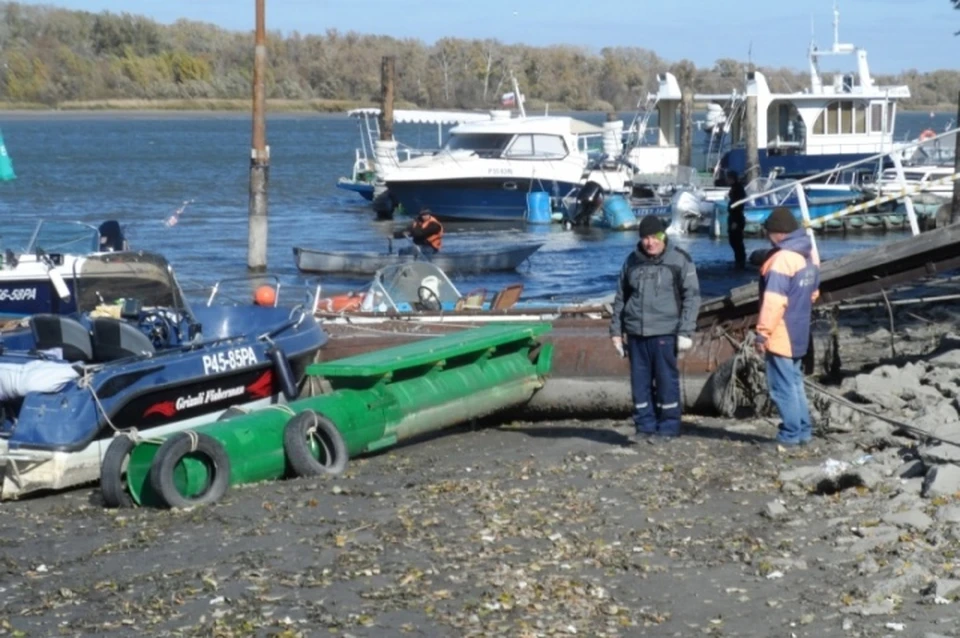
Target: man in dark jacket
654,316
425,231
736,221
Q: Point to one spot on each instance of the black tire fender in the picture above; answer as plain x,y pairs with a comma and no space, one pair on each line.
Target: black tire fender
113,488
297,435
172,451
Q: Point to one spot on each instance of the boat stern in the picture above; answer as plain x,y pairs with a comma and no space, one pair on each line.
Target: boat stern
26,471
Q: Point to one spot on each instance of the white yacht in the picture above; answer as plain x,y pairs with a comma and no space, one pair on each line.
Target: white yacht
833,121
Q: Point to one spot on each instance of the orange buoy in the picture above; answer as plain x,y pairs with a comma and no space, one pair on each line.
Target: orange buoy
928,134
265,296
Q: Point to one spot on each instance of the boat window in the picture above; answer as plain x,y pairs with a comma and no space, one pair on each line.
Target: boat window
891,175
846,118
833,119
483,144
860,120
538,146
876,118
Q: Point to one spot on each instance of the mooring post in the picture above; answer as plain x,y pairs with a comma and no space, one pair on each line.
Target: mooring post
259,153
752,168
686,128
955,203
388,75
385,149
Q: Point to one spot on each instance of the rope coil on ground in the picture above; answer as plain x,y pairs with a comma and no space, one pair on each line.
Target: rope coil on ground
743,380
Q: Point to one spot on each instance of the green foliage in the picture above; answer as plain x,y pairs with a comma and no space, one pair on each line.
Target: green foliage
53,56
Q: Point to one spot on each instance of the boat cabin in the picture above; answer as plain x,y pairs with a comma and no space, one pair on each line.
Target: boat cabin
843,119
523,138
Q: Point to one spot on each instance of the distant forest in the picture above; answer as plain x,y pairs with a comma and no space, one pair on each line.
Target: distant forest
58,58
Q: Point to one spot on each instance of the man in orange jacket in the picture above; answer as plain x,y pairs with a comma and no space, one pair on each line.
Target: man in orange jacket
426,233
789,282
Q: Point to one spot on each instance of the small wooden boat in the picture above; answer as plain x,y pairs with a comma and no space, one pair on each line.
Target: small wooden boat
368,263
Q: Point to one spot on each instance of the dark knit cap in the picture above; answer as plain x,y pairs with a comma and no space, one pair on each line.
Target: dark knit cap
650,225
781,220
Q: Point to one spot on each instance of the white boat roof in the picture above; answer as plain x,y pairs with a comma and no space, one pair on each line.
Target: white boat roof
543,124
417,116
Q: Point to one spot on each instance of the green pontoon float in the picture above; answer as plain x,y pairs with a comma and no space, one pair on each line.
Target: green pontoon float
367,403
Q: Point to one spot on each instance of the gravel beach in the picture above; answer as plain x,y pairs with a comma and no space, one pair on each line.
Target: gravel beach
551,529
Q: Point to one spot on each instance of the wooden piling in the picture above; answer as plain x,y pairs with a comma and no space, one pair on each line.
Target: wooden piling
259,154
955,204
686,128
752,168
388,76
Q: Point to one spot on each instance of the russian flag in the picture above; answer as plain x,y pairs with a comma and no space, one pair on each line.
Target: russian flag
508,99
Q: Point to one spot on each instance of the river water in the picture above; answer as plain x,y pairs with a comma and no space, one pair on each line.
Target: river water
139,168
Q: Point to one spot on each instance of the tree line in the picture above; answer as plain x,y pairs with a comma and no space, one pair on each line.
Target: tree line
51,56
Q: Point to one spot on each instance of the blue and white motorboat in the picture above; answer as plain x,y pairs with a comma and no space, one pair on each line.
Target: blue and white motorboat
41,277
365,177
812,131
486,169
135,360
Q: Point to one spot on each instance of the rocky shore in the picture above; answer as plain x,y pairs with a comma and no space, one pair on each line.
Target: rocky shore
554,528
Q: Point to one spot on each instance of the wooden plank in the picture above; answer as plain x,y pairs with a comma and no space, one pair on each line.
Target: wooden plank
856,273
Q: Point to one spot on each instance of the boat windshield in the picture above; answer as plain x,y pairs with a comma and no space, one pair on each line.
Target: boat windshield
108,279
64,237
410,286
483,144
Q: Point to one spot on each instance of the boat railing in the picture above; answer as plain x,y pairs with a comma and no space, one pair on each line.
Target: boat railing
893,154
905,193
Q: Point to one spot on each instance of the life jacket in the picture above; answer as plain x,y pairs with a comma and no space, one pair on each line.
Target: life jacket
436,239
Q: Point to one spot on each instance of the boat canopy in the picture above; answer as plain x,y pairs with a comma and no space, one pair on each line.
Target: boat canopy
415,116
545,125
108,278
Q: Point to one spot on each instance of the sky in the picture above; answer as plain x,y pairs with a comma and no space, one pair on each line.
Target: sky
897,34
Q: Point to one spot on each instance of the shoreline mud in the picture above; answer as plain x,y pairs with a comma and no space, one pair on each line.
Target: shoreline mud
552,528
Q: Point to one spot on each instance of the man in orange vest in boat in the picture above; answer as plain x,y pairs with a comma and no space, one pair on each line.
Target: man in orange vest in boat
426,233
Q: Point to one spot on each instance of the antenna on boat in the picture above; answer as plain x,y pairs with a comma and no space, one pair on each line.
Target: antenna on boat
836,26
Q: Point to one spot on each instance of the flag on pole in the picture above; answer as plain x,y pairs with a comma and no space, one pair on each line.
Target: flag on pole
509,99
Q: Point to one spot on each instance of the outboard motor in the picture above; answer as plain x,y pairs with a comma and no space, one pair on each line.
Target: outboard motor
111,237
589,200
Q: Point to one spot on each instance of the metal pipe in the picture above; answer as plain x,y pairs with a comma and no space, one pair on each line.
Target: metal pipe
955,202
897,302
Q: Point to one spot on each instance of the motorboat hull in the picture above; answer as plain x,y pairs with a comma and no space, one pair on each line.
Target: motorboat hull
478,199
366,263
